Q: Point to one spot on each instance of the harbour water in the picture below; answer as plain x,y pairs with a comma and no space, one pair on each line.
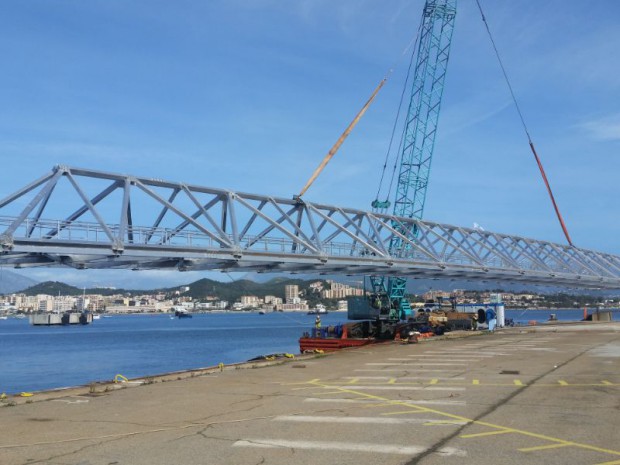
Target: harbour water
34,358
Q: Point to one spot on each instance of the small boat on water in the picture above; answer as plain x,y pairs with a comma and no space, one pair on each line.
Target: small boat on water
319,310
181,312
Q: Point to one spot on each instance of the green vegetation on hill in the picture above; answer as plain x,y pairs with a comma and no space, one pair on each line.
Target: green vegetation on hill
205,289
198,290
233,291
52,288
58,288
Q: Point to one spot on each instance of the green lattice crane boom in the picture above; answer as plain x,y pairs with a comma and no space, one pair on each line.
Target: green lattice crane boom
418,141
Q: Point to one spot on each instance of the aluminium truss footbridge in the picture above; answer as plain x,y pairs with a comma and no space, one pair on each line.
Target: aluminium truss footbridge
92,220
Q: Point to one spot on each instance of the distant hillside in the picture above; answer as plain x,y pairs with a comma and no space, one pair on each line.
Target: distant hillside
58,288
232,291
52,288
11,282
200,289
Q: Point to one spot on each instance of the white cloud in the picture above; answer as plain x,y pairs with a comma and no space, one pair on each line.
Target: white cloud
604,129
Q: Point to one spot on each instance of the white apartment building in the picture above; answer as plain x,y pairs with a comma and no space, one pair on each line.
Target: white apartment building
250,301
291,291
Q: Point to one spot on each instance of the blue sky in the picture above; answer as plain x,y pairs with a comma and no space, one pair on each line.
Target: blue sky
250,95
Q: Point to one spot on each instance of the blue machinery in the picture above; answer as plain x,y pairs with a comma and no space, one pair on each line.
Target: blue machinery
418,138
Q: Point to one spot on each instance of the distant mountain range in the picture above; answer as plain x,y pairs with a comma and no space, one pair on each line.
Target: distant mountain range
417,286
264,284
11,282
200,289
58,288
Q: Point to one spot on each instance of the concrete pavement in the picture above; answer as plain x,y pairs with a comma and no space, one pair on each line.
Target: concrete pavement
521,396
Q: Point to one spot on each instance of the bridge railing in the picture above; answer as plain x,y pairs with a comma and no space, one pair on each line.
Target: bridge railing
86,232
162,224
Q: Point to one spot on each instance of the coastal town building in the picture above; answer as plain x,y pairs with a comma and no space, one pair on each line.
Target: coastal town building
340,291
250,301
273,300
291,292
295,299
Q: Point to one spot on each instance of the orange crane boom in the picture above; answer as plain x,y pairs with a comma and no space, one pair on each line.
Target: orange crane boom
341,139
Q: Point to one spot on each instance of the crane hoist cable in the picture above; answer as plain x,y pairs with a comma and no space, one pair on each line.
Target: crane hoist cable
514,99
376,203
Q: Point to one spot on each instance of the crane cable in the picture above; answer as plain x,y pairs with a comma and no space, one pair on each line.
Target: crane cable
413,41
514,99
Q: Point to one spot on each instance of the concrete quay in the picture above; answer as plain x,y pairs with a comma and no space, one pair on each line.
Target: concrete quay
546,394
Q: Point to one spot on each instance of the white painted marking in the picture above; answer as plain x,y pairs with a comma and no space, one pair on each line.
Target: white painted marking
374,401
611,350
414,364
70,401
395,387
435,402
403,378
367,420
436,360
344,401
346,446
519,344
458,354
417,370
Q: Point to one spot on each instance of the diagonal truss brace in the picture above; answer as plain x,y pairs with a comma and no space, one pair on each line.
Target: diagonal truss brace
240,231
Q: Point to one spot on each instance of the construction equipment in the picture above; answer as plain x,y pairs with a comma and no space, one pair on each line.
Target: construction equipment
417,145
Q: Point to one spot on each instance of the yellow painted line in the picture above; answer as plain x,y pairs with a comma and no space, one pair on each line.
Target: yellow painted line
607,383
488,433
562,382
526,433
548,446
353,380
434,381
392,381
475,382
517,382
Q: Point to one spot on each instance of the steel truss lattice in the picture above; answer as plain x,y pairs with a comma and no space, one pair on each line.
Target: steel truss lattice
104,220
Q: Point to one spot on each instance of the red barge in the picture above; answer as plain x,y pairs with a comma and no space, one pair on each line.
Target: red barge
342,336
331,339
378,329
